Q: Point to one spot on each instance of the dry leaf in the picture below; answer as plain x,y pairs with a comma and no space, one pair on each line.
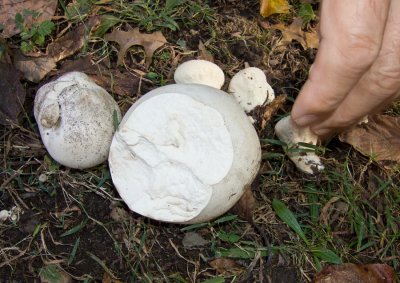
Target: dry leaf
356,273
379,138
270,110
9,8
269,7
325,211
35,69
295,32
246,205
193,239
150,42
71,42
12,95
116,81
224,265
204,54
119,214
108,279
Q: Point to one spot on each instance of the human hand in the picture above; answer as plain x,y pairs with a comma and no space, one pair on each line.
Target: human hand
357,67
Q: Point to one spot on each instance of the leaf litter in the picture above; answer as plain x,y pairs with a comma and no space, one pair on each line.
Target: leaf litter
35,69
270,7
307,39
379,138
125,39
10,8
12,94
356,273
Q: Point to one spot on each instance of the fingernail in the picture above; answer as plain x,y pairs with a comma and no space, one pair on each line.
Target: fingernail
305,120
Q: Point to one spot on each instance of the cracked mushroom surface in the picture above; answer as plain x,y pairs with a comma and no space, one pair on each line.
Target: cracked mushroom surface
76,120
289,133
183,153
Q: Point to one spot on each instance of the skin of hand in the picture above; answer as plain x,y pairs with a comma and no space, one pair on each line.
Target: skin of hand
357,68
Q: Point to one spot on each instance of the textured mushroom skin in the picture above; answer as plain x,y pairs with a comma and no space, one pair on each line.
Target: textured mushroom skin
207,197
250,88
76,120
288,132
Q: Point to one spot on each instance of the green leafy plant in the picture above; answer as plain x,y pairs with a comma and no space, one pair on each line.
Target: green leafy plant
34,35
306,12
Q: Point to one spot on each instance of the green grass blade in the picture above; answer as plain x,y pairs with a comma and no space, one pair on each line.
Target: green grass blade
73,252
288,217
75,229
327,255
215,280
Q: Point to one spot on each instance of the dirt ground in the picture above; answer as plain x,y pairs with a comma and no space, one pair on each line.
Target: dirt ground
75,220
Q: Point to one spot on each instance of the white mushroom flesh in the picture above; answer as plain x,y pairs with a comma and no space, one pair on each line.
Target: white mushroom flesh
76,119
250,88
289,133
173,152
200,72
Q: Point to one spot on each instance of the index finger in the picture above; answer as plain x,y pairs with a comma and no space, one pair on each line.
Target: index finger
351,34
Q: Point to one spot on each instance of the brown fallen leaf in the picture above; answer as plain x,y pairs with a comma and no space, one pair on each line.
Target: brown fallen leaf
224,265
307,39
326,210
246,205
119,214
204,54
12,95
9,8
356,273
116,81
36,68
108,279
72,41
271,110
269,7
150,42
379,138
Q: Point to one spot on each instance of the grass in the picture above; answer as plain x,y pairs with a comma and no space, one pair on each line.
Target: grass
73,223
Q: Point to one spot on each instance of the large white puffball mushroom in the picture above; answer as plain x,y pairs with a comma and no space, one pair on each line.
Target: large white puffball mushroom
183,153
199,72
76,120
250,88
288,132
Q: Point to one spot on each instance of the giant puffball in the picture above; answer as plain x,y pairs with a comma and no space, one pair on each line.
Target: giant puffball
76,119
183,153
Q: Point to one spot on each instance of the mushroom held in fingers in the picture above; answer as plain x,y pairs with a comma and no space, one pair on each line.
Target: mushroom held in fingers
76,120
289,133
199,72
183,153
251,89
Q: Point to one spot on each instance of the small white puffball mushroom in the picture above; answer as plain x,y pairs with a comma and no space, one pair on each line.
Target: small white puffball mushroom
76,120
250,88
289,133
183,153
199,72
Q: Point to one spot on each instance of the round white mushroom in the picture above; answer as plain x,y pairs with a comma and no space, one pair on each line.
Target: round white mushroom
250,88
306,161
199,72
76,120
183,153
